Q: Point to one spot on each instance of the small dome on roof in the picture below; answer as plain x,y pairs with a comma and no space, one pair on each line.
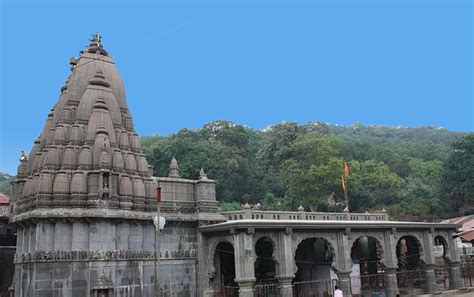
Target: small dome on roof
174,168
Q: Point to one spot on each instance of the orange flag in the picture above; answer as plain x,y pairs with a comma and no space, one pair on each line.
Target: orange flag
343,183
346,168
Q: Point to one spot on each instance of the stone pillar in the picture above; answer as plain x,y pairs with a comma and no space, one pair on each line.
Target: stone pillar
430,276
205,262
390,260
430,279
455,280
244,262
285,285
285,269
391,285
345,282
344,261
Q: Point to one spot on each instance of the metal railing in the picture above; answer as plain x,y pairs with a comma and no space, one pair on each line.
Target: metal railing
467,270
411,280
363,284
267,289
314,288
221,290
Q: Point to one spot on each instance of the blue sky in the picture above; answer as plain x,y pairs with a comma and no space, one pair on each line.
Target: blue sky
186,63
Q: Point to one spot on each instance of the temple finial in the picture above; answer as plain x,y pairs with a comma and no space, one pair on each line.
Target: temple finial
95,45
202,174
23,156
96,38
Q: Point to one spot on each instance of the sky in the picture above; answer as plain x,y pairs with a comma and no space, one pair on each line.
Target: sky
257,63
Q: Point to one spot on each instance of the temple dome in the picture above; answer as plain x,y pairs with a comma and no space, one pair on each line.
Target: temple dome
89,129
78,183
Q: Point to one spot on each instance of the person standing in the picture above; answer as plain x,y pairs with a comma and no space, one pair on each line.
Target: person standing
338,292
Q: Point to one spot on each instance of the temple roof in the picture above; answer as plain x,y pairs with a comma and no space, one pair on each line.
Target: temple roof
88,131
4,199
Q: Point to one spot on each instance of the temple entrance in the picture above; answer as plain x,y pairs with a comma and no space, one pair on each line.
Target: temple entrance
266,284
441,262
314,277
367,268
224,284
265,264
410,273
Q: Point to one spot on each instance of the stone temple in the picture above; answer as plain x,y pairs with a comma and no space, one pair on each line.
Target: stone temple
85,202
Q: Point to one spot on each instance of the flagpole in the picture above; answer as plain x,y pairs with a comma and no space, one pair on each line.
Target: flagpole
344,185
346,198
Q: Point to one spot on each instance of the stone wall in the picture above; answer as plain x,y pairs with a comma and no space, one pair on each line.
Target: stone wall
82,278
178,264
76,257
7,268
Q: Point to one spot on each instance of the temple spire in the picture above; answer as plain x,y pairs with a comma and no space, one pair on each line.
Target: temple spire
174,168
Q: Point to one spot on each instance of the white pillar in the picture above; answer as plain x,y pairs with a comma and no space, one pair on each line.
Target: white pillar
244,262
285,271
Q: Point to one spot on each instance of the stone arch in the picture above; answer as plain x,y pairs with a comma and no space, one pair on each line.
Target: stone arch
440,240
370,251
223,263
379,236
442,259
212,244
419,241
409,251
314,259
273,240
330,238
265,263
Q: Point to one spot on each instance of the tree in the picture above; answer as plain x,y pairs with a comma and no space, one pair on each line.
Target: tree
372,184
221,148
402,169
5,180
458,175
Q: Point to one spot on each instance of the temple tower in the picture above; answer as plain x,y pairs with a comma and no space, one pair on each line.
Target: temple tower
84,199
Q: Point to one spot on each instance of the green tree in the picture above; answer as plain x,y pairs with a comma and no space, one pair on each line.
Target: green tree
5,180
458,175
311,175
221,148
372,185
404,169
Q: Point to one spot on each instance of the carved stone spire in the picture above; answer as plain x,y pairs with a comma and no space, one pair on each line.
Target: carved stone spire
174,168
22,167
85,172
90,129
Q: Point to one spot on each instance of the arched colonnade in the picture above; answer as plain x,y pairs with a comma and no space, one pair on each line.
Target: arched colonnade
296,260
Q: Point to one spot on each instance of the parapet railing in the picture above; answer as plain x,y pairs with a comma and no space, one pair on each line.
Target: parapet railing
467,250
254,214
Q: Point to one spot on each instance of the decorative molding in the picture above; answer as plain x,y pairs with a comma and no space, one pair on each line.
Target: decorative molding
71,256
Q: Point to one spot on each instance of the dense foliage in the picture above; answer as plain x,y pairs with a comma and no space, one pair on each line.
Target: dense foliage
419,173
425,172
5,180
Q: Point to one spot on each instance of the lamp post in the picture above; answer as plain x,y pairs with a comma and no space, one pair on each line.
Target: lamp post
159,223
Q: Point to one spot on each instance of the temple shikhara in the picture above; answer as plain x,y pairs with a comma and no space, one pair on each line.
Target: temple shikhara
87,206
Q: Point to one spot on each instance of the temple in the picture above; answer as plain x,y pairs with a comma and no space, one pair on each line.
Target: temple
85,202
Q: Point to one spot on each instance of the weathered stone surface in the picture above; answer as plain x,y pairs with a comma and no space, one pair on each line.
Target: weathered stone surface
81,201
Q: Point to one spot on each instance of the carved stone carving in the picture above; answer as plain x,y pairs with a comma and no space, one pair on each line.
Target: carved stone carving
59,256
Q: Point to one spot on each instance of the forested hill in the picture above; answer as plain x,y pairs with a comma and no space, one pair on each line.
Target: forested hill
425,172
